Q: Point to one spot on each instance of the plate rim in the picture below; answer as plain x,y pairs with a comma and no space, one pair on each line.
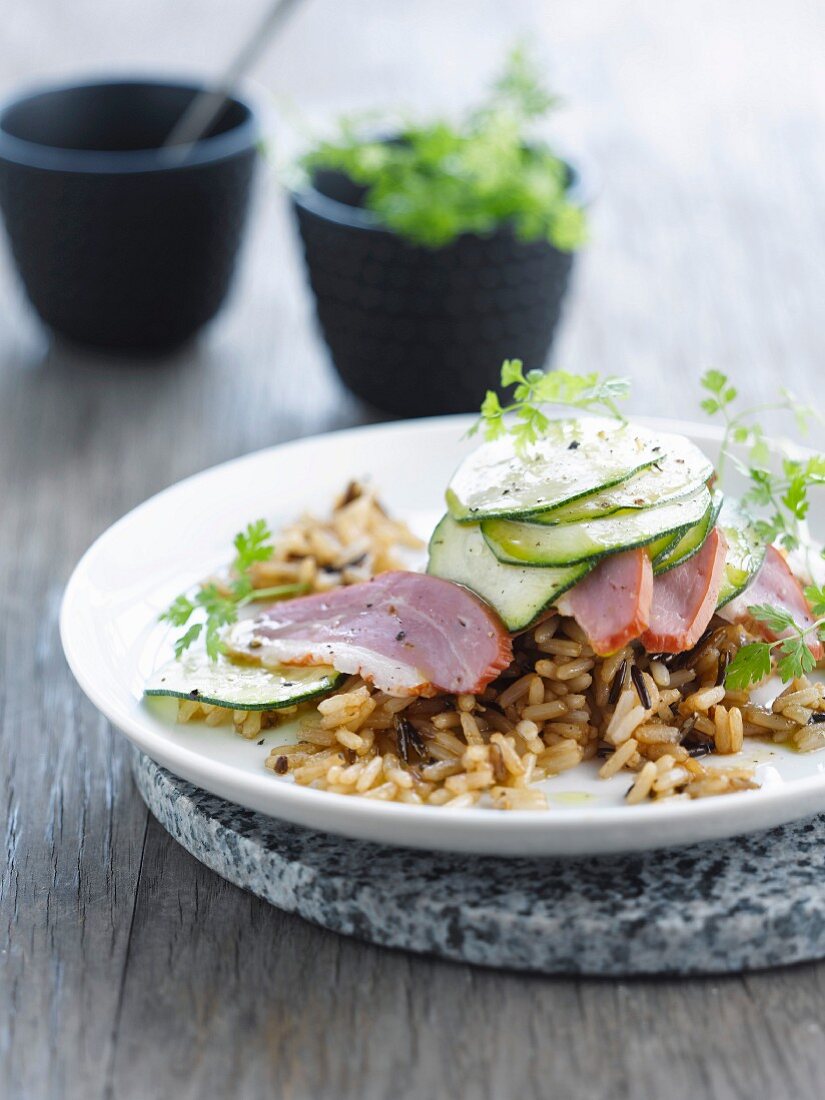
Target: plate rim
471,829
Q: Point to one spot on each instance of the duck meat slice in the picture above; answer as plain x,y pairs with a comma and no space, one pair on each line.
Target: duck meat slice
612,604
774,584
405,633
684,598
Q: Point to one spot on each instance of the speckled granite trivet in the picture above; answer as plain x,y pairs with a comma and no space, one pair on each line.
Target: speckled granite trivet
736,905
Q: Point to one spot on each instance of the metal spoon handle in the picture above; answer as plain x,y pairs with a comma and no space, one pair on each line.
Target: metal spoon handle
207,105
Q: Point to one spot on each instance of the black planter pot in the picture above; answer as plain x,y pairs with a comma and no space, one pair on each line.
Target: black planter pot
119,244
417,331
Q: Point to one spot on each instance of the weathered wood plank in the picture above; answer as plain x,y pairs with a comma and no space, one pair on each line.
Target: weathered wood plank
128,970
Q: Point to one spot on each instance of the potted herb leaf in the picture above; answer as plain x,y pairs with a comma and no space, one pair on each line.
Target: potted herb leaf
441,250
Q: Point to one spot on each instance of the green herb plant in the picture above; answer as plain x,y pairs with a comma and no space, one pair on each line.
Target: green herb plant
214,607
440,179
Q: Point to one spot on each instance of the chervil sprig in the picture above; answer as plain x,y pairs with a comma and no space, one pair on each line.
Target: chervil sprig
753,661
523,418
253,544
783,496
218,607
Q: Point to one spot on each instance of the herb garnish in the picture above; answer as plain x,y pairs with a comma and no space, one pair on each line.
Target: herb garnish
440,179
220,607
536,388
753,661
784,499
784,495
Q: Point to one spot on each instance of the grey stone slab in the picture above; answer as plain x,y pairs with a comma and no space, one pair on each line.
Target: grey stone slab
747,903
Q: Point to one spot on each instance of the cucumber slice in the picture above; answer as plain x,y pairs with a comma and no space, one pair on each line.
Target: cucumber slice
519,594
223,683
574,459
681,472
530,544
746,551
691,542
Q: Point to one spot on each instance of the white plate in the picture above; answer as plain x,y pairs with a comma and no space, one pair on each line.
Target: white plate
113,642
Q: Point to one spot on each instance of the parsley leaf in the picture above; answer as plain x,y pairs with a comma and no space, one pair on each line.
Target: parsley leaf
815,595
775,619
796,660
750,666
753,661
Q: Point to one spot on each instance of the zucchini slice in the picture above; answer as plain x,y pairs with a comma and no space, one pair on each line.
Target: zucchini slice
681,472
519,594
574,459
569,543
746,551
224,683
660,546
691,542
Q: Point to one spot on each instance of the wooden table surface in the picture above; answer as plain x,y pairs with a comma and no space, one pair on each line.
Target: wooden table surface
126,968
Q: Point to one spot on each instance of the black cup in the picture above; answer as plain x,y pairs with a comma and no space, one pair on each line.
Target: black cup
418,331
121,244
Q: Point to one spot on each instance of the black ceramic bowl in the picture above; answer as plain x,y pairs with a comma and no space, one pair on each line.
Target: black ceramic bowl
118,244
415,330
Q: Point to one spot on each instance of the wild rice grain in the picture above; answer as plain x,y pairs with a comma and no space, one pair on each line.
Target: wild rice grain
617,683
641,687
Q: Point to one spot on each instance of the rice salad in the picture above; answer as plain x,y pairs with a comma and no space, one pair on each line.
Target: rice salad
625,613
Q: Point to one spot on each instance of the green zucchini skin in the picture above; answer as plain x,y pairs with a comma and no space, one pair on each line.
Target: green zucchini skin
691,542
746,551
659,547
575,459
526,544
680,473
225,683
519,594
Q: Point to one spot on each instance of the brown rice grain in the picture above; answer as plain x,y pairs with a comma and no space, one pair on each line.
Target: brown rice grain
559,647
704,699
562,757
643,785
515,691
509,755
544,712
660,674
735,730
618,759
545,631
